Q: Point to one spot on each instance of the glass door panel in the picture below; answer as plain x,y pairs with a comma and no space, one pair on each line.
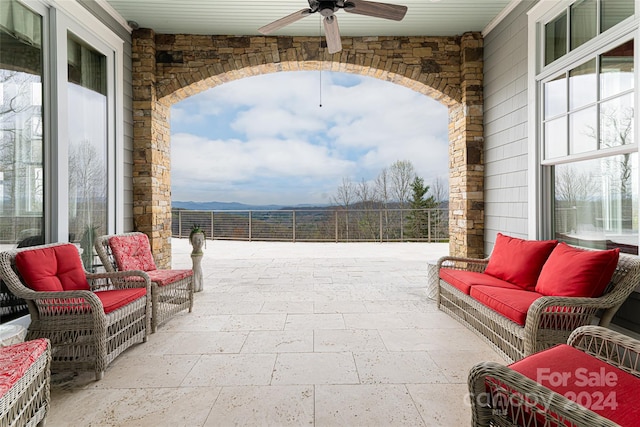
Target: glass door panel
88,123
21,130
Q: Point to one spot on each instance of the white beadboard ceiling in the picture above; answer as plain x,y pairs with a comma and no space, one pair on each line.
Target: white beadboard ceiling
244,17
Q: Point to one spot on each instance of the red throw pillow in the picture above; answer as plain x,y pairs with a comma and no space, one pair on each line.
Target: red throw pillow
54,268
574,272
519,261
132,252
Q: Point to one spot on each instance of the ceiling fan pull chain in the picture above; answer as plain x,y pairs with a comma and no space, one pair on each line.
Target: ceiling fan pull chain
320,56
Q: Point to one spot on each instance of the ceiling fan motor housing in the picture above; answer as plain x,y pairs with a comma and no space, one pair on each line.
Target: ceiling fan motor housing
326,8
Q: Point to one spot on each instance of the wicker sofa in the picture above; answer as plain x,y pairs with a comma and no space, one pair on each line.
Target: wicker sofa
24,383
593,380
530,295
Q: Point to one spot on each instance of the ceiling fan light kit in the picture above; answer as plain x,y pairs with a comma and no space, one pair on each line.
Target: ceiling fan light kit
327,9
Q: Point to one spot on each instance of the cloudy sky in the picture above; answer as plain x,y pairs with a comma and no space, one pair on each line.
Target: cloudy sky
266,140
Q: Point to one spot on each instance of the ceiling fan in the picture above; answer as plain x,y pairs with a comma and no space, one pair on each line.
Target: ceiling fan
328,8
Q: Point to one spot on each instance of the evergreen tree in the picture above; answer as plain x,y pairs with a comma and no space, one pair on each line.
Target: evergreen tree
418,224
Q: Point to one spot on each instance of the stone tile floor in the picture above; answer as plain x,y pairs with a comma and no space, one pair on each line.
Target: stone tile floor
318,334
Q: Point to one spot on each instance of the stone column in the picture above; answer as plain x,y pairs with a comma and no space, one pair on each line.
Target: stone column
151,151
466,154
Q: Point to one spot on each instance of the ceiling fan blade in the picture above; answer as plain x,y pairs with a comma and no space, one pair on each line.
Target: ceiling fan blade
379,10
282,22
332,34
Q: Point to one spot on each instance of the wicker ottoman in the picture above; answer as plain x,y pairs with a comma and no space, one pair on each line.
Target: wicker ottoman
24,383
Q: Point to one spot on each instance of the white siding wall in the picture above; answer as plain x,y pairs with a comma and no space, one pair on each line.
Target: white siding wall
505,127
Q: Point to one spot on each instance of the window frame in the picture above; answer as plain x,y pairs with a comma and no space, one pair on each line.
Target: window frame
541,196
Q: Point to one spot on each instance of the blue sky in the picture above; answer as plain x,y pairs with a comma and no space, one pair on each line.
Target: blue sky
266,140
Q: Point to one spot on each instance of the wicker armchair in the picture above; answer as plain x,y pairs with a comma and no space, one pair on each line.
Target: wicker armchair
171,290
500,396
89,318
550,319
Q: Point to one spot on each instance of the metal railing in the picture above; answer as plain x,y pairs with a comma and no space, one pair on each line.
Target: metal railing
317,225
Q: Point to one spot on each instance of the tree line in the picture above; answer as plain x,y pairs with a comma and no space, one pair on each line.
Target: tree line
396,187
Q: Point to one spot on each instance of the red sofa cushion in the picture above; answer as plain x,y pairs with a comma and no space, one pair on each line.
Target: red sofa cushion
574,272
464,280
511,303
519,261
118,298
592,383
166,277
54,268
132,252
16,359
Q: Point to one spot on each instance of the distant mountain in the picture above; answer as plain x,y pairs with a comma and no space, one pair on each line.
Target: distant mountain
220,206
232,206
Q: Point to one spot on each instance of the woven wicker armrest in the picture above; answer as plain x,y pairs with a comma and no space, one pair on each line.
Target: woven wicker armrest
609,346
524,398
103,250
552,319
462,263
67,304
119,280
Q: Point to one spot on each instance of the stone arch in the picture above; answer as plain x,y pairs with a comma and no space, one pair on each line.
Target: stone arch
168,68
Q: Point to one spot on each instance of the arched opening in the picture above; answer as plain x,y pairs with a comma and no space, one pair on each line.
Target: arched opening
169,68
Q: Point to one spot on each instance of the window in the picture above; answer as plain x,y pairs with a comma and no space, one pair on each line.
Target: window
583,21
596,202
590,106
21,133
586,133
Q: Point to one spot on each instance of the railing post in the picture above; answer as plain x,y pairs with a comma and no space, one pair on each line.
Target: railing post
250,224
180,224
380,212
212,224
294,226
336,228
429,225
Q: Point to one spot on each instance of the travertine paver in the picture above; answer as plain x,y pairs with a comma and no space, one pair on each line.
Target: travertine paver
319,334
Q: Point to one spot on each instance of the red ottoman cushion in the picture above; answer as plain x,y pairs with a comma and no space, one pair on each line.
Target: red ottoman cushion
604,389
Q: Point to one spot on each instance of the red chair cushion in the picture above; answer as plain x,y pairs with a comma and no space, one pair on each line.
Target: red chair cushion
574,272
166,277
519,261
132,252
16,359
115,299
55,268
586,380
464,280
511,303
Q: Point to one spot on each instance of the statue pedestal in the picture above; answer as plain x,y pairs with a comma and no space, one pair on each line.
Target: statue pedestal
196,259
197,241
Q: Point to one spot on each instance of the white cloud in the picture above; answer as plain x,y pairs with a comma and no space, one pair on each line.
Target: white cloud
235,160
286,139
